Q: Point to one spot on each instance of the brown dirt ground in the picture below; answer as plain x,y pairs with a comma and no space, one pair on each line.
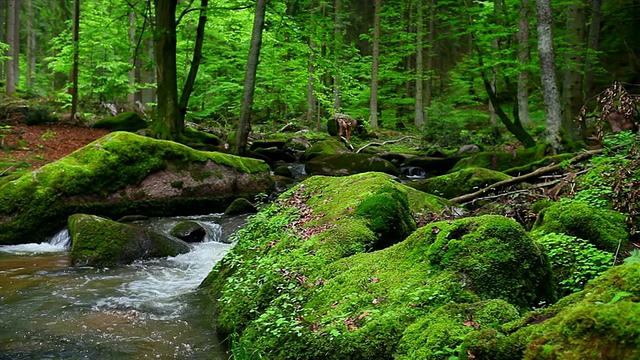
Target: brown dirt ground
41,144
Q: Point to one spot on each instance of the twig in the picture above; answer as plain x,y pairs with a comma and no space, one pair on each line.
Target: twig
285,127
386,142
7,170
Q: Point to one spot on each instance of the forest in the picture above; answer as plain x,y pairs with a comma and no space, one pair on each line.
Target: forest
426,179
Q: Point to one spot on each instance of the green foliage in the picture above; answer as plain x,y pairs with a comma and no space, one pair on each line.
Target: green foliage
39,115
574,261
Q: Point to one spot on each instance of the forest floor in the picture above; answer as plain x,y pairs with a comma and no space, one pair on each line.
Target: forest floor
37,145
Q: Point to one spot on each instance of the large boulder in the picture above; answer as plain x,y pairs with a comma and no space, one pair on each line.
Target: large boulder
349,164
96,241
123,174
322,283
189,231
324,147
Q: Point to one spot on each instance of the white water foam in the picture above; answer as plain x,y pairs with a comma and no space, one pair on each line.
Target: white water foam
60,242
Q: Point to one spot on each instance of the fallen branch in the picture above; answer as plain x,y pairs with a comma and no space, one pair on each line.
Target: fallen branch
514,180
7,170
386,142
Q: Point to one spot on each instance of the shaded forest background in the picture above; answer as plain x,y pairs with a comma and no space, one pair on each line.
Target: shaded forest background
419,65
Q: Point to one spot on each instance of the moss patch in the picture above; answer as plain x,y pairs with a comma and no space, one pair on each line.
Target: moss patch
606,229
126,121
349,164
501,161
325,147
460,182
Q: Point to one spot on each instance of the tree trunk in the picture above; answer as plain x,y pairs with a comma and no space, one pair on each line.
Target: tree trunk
3,18
148,74
337,43
244,125
131,96
195,64
16,43
594,40
375,56
76,50
31,46
572,94
419,106
168,124
311,99
428,91
524,57
548,75
11,20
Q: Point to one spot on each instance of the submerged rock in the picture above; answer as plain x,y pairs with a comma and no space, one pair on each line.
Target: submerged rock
97,241
122,174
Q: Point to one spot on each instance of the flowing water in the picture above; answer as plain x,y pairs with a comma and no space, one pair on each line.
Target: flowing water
150,309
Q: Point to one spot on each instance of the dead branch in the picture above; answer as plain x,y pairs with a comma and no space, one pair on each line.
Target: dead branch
386,142
518,179
285,127
7,170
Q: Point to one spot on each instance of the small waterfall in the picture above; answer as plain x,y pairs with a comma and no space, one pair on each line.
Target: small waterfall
214,231
61,239
297,169
412,172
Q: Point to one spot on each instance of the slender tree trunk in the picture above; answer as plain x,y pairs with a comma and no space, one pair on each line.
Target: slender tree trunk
337,39
148,75
76,50
495,46
244,125
131,96
168,124
594,40
31,46
419,106
572,91
548,74
428,91
311,99
16,42
524,57
195,63
3,18
9,68
375,56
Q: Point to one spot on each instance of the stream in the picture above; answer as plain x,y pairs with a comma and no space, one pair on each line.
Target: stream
150,309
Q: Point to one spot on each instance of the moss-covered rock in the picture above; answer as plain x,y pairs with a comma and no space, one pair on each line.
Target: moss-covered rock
303,283
349,164
432,165
126,121
96,241
460,182
201,140
324,147
502,161
122,174
606,229
600,322
240,206
189,231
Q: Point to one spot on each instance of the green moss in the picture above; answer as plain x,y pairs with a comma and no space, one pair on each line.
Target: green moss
460,182
440,334
126,121
325,147
600,322
240,206
605,229
501,161
348,164
200,139
29,206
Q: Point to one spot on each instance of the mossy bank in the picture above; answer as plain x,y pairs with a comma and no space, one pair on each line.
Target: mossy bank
335,270
122,174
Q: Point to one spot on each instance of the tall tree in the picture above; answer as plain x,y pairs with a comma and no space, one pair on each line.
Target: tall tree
311,98
548,74
572,94
168,124
131,96
375,55
428,91
16,42
337,52
419,106
31,45
76,51
593,45
11,27
244,124
524,56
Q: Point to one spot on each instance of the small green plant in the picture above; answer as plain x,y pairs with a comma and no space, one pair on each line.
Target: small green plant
3,130
634,257
574,261
48,135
